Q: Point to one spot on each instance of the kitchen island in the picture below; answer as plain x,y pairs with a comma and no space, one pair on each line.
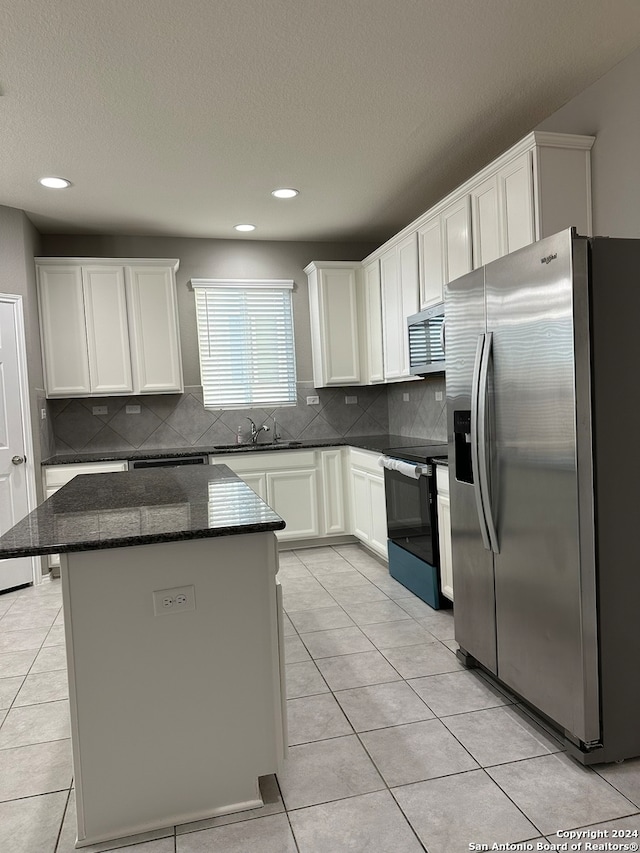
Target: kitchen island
174,643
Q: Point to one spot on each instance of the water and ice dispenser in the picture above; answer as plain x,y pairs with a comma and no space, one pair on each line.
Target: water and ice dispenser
462,442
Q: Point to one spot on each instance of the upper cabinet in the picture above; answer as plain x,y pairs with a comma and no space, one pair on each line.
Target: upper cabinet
538,187
109,326
444,247
399,288
371,330
334,311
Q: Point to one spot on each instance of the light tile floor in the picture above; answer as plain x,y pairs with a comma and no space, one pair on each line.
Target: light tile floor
395,747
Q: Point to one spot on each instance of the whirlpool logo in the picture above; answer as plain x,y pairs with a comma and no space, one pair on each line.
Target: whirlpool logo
548,258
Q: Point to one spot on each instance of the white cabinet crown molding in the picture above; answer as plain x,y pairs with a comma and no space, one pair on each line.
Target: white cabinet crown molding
174,263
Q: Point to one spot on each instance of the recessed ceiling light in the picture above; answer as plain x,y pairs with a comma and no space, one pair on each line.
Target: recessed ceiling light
245,227
55,183
285,192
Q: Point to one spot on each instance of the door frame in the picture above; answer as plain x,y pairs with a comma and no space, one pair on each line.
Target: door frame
21,345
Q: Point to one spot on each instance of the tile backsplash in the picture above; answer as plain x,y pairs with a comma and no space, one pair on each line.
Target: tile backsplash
180,420
422,415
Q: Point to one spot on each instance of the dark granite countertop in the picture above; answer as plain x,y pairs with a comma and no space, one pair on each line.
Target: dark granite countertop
139,508
375,443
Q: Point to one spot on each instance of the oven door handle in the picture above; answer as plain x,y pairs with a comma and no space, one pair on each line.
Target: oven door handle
407,469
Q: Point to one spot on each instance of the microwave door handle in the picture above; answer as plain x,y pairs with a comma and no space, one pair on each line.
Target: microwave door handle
475,390
442,335
485,490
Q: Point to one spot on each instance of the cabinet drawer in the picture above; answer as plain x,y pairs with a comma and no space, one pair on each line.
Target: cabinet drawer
270,460
366,460
57,475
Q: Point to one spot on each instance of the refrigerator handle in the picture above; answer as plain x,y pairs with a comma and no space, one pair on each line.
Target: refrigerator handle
483,468
475,392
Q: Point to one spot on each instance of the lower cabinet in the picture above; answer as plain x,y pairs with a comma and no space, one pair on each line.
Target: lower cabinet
444,530
368,506
56,476
305,487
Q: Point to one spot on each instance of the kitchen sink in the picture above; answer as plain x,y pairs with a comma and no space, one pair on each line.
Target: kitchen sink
281,444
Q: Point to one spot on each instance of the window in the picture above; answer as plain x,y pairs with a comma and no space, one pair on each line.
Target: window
245,337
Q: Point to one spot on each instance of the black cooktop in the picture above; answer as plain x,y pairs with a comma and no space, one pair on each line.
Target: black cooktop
418,453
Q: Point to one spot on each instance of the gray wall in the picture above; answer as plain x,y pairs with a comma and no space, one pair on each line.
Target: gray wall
610,110
19,242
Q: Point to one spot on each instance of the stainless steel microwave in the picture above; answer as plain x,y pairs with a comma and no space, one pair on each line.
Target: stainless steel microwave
426,341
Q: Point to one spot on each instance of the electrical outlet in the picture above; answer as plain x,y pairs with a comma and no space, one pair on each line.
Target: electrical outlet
100,410
313,400
132,410
405,397
350,400
43,414
438,396
175,600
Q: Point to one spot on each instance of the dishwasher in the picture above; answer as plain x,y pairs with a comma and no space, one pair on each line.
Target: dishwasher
169,461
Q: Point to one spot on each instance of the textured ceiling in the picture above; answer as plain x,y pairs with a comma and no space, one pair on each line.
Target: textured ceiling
180,116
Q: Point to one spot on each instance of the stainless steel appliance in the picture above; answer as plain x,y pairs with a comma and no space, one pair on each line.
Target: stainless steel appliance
545,482
169,461
412,525
426,341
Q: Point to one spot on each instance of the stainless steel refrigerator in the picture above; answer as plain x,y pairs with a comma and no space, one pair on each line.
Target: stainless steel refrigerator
543,353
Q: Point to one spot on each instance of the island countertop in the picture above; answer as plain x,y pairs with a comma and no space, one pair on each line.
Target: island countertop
138,508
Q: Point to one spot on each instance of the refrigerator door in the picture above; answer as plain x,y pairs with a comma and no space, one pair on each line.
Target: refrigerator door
545,600
472,561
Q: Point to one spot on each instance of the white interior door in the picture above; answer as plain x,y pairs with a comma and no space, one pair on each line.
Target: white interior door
14,496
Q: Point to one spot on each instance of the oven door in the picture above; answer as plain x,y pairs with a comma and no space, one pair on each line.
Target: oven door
411,511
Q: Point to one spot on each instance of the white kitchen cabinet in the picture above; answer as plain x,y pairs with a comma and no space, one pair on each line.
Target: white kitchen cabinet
56,476
372,331
444,248
105,308
399,287
307,488
334,511
289,481
335,324
109,326
537,188
444,530
369,514
155,341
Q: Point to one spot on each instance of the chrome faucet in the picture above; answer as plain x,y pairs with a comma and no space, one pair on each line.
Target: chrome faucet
255,431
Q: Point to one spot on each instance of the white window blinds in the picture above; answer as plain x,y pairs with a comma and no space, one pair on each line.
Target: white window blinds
245,337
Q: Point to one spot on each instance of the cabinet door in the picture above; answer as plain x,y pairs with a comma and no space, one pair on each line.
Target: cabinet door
153,319
373,324
431,268
294,496
257,482
456,239
515,182
107,330
333,504
334,310
444,541
62,324
485,218
391,308
378,539
360,505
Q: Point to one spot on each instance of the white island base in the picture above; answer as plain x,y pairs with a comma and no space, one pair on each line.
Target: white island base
173,716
